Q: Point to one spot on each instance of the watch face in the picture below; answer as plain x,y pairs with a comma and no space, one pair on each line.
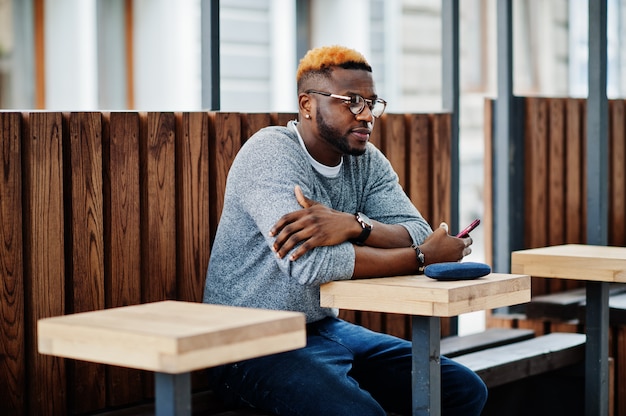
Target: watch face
364,220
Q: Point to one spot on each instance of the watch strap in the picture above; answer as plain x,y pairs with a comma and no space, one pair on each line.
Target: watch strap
421,261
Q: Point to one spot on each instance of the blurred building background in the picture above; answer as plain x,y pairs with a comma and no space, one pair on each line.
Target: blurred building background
71,55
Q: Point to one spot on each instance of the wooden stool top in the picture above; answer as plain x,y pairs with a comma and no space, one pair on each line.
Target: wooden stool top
420,295
171,336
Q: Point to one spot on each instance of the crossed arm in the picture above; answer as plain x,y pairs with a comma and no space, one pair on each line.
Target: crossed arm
387,251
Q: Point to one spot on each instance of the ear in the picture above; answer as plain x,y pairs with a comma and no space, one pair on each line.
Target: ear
305,104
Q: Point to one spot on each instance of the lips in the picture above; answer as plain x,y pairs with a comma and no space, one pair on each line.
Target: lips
362,133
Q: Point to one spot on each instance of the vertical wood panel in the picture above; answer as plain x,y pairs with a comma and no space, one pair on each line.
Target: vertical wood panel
556,180
377,136
192,175
536,168
373,320
575,172
281,119
253,122
12,365
87,391
441,168
536,180
420,191
556,172
575,206
617,176
224,143
158,216
44,257
122,237
394,144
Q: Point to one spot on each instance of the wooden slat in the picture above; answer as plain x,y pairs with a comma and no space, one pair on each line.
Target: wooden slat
565,305
454,346
86,277
281,119
224,143
193,202
536,168
122,237
441,169
418,176
556,172
556,180
12,320
536,180
158,218
617,174
394,144
575,172
500,365
373,320
44,264
253,122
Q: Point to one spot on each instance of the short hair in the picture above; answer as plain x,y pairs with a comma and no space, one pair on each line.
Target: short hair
320,61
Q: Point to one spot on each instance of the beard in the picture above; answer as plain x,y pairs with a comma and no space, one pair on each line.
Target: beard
336,138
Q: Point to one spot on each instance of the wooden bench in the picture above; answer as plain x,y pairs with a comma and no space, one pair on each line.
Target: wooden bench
456,345
565,305
511,362
108,209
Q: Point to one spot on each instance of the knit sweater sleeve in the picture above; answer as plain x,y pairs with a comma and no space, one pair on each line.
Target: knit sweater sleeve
260,190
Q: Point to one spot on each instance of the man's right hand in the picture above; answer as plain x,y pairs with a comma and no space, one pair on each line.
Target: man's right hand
442,247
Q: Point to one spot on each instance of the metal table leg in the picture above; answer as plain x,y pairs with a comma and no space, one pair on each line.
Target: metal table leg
172,394
426,366
597,350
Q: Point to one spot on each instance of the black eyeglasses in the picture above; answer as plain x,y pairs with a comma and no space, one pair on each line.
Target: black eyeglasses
356,103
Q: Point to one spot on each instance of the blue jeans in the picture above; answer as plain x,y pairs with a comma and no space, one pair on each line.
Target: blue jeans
345,370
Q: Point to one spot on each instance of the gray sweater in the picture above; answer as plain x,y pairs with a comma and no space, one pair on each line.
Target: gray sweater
243,270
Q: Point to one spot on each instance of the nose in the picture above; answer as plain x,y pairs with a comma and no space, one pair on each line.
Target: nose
366,115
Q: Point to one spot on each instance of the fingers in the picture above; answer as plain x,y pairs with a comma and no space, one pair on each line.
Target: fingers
303,200
444,226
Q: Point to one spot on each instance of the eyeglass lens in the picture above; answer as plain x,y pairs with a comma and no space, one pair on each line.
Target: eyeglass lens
357,104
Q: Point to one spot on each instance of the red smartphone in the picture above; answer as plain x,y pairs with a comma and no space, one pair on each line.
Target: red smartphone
468,229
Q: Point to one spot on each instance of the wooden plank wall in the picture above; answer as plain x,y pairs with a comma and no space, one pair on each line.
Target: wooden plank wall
555,200
99,210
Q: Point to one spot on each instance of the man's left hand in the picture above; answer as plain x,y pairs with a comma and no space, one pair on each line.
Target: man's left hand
315,225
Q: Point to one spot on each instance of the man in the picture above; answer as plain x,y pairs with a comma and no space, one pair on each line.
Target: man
295,216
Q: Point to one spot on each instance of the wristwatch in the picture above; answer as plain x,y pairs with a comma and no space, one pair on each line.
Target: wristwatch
367,226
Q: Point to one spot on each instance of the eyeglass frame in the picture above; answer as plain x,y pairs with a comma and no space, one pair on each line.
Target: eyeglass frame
350,100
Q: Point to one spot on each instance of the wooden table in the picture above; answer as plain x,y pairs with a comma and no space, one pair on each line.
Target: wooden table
599,266
172,339
427,300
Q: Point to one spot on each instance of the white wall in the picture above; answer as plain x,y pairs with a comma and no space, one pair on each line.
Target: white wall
167,55
70,55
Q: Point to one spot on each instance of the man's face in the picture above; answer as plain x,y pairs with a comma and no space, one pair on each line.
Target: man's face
338,130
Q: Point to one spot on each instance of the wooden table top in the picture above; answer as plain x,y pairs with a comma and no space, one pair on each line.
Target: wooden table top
572,261
420,295
171,336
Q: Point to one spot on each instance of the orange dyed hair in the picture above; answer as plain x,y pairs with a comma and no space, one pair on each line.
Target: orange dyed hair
321,60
